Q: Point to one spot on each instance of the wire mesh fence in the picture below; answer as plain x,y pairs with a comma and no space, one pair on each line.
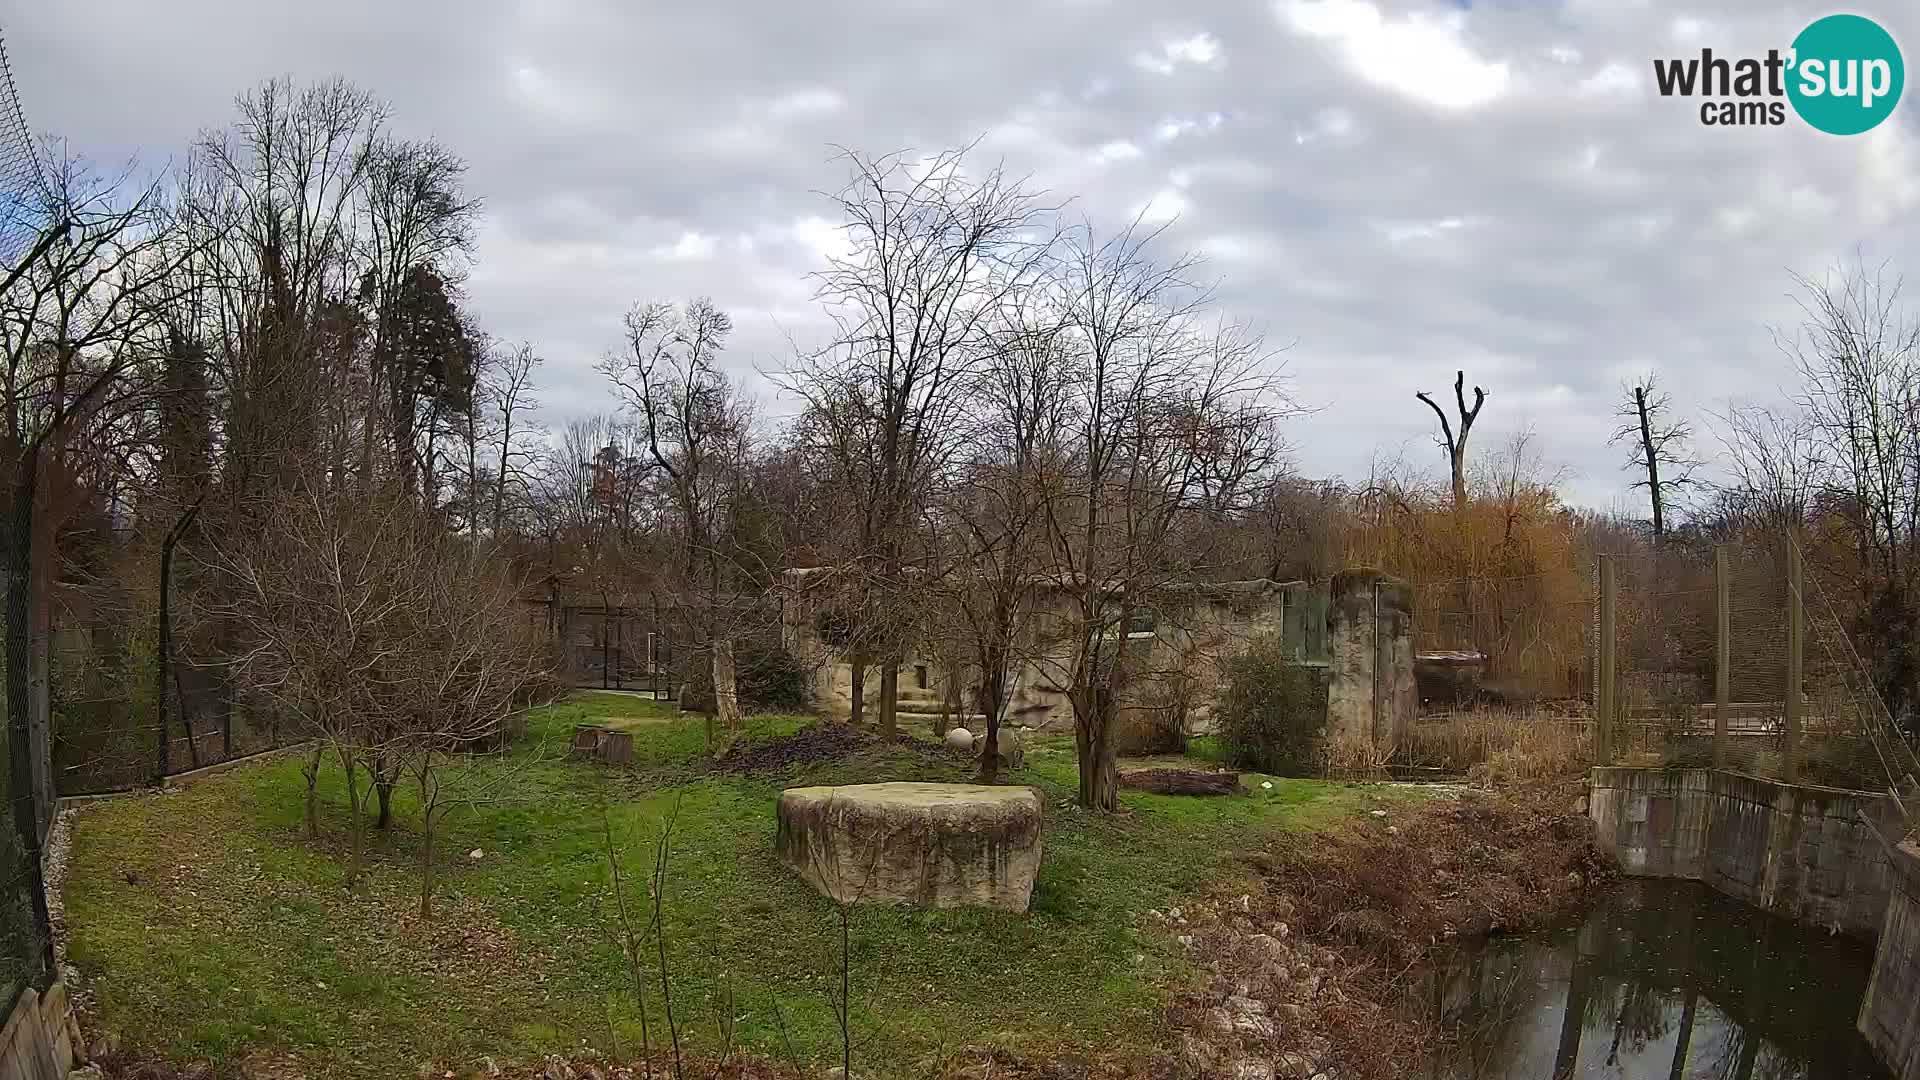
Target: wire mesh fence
24,198
1728,657
1675,655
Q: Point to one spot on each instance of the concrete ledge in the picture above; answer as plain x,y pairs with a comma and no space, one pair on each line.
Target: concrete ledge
1798,850
1890,1012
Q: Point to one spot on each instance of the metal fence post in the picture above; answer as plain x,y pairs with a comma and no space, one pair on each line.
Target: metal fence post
1722,654
1607,706
1796,645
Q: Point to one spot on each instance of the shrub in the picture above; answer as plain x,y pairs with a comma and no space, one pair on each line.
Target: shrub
1272,715
767,677
1158,723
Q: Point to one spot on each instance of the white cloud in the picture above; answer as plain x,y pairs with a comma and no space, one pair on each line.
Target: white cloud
691,245
1118,150
1200,50
813,101
1165,205
1422,56
1613,80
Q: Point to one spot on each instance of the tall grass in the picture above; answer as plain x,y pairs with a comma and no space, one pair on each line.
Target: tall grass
1500,746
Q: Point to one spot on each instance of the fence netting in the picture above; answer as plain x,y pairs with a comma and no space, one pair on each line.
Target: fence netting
1706,661
104,684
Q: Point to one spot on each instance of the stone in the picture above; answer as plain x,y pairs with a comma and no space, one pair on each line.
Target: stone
1013,749
935,845
476,853
1251,1069
960,739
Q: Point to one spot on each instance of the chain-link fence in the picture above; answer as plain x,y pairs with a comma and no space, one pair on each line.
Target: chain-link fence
106,724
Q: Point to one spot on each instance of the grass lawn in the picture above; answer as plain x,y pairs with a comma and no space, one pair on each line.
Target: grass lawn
206,927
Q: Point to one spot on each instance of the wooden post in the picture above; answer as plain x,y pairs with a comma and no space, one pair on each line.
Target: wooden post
1607,705
1722,654
1796,645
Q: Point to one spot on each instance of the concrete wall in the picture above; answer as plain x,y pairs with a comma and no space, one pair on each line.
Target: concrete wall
1796,850
1371,694
37,1042
1890,1011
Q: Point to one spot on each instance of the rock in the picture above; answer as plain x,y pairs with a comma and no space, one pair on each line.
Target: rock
1181,781
1013,749
1294,1067
935,845
960,739
476,853
1250,1069
87,1072
487,1065
1268,946
1247,1017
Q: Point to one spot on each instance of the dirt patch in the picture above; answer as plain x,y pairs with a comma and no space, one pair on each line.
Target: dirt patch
1306,971
820,743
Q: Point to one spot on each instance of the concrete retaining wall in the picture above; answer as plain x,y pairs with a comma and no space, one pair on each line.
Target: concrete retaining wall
1796,850
1890,1011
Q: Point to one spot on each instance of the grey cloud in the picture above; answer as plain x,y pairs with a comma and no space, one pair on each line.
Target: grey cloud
1569,231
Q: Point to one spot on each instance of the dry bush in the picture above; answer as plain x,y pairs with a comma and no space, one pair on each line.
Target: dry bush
1502,746
1313,963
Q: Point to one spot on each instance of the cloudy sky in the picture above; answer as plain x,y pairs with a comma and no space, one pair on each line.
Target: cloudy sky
1397,188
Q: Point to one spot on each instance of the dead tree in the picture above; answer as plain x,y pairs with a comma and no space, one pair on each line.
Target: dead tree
1456,445
1661,451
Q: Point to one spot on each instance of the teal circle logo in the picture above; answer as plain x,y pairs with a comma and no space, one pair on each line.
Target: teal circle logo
1845,75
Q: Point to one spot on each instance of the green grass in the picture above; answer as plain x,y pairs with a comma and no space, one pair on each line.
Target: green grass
207,927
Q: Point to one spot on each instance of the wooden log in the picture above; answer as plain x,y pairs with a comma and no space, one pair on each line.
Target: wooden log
616,747
586,739
1181,781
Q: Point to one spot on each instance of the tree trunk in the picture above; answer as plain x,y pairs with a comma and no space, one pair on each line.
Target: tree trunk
1653,462
889,694
355,806
311,771
429,797
857,672
37,951
993,677
1457,460
383,793
726,686
1092,737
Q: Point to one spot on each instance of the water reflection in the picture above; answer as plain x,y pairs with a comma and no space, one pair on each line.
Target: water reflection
1663,981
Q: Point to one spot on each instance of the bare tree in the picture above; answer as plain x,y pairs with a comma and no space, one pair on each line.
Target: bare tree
932,254
1777,465
989,521
376,634
1858,355
697,432
1168,420
1661,447
1455,445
